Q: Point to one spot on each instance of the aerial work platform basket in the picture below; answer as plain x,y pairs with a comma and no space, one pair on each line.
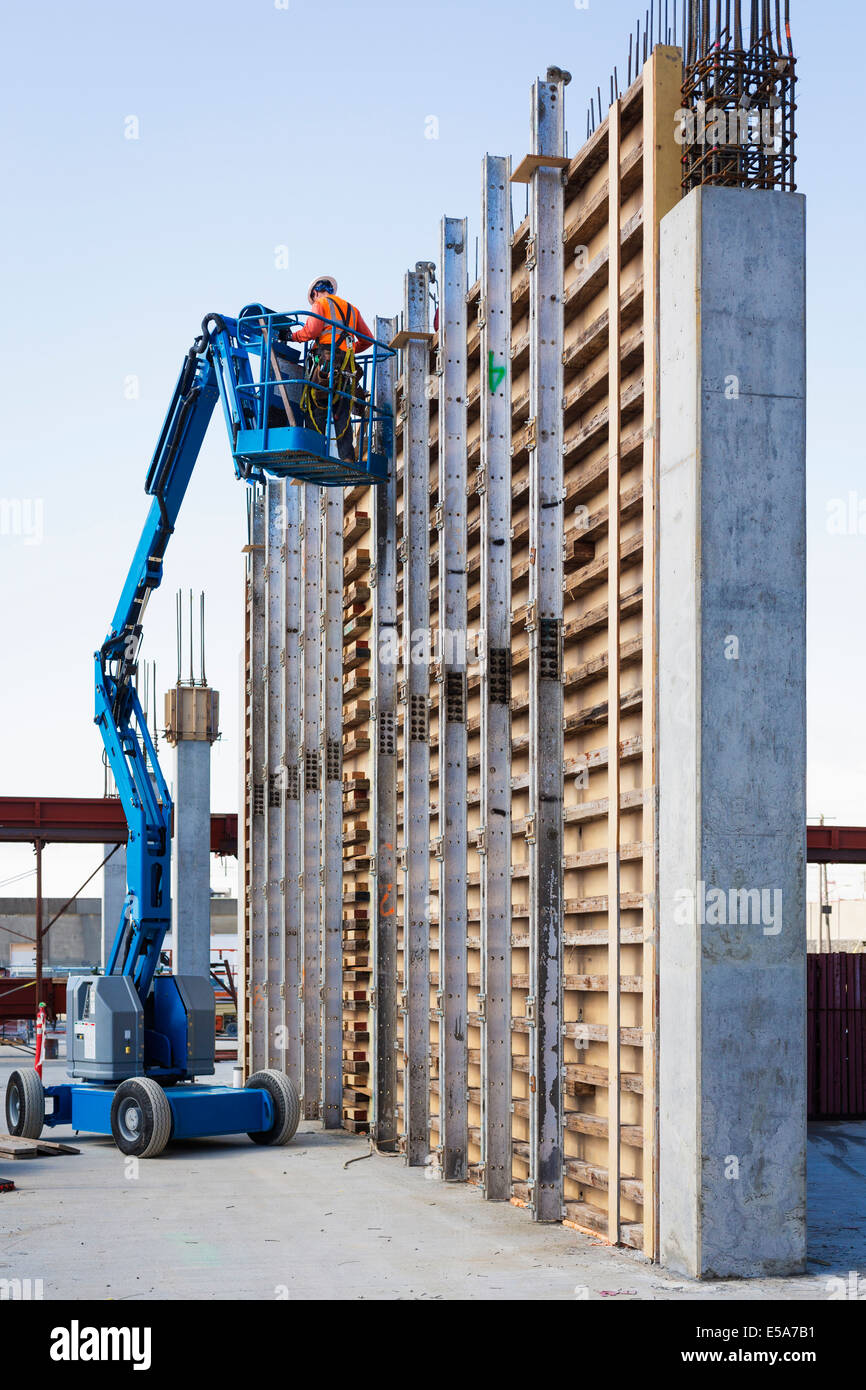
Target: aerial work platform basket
304,411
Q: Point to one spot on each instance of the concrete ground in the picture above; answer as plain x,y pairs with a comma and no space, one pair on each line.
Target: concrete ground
223,1219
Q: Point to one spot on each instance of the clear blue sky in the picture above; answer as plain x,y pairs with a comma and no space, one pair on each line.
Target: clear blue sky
112,249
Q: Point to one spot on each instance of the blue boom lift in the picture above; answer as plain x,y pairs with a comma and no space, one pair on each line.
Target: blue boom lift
136,1038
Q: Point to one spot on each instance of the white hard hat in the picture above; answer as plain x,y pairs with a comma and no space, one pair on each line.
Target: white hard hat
332,280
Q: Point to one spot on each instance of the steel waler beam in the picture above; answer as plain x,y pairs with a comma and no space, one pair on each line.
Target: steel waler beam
453,638
545,656
416,744
312,799
495,311
273,1006
256,868
332,810
383,802
290,769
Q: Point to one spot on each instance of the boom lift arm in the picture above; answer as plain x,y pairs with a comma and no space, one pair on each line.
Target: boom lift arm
140,783
219,365
136,1042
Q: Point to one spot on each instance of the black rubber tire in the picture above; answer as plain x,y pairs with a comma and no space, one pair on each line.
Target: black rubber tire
25,1104
287,1106
140,1117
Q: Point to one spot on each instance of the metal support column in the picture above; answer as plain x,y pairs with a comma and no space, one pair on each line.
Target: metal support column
291,869
273,893
242,974
545,655
311,820
383,802
256,864
495,311
416,745
453,1044
332,809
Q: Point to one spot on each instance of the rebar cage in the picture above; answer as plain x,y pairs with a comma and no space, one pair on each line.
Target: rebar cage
289,418
738,96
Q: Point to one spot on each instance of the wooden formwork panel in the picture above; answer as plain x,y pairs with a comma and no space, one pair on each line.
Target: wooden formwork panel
359,888
615,191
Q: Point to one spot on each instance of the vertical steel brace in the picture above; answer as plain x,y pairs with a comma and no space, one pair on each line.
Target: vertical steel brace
292,678
416,747
496,676
257,868
332,810
383,801
311,791
453,1042
242,975
545,655
274,800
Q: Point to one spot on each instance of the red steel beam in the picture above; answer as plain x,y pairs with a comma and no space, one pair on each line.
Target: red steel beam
100,820
836,844
224,833
19,997
92,820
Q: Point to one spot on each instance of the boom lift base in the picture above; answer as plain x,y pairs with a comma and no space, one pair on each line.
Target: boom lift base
137,1038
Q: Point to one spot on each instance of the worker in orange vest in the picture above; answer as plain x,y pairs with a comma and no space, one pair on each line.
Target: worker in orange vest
336,330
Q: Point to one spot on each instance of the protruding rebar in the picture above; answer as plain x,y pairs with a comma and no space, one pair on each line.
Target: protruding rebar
747,87
179,624
203,676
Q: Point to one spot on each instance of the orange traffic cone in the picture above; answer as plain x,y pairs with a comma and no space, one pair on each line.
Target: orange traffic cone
40,1040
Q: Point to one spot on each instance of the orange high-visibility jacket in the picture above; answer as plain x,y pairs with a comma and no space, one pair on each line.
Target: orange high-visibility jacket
346,318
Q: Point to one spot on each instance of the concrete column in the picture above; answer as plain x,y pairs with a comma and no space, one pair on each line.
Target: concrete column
731,730
113,894
191,725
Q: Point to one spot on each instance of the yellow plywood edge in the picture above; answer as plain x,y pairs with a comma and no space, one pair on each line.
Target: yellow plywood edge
530,162
662,175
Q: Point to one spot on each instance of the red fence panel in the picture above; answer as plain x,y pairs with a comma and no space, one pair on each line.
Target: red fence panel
836,1036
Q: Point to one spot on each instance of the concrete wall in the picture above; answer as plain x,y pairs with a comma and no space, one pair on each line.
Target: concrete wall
731,728
113,897
73,940
75,937
190,853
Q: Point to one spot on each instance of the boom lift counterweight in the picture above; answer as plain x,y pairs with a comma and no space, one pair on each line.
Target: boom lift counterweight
137,1039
